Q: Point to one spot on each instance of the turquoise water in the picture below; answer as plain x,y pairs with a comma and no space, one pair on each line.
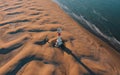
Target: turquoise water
101,17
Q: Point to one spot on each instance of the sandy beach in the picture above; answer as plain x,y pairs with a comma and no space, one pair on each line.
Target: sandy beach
29,27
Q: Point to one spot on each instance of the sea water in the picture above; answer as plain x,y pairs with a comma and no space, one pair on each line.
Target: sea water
101,17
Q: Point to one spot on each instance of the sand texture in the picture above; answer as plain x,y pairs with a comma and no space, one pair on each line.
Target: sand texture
28,28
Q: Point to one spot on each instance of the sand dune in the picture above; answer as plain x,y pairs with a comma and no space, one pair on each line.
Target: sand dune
28,29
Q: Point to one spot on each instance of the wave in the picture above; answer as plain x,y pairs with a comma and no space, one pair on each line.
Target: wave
111,39
97,31
99,15
62,6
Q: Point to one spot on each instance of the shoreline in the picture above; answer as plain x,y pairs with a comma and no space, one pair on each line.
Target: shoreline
24,50
94,35
111,42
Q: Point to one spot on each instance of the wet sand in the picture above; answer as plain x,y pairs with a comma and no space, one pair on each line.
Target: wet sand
25,28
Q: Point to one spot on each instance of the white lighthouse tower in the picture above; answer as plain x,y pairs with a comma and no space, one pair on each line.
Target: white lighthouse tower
59,40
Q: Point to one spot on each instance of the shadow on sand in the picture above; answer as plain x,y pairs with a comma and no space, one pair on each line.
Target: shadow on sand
21,64
26,60
68,51
9,49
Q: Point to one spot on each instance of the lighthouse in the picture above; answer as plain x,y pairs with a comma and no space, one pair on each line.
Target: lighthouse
59,40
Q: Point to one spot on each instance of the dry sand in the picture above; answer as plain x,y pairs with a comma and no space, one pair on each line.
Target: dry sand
26,25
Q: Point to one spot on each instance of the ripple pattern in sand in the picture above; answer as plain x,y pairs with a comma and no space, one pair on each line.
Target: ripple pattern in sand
27,34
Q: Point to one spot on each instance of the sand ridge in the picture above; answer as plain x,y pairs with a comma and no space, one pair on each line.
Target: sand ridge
29,27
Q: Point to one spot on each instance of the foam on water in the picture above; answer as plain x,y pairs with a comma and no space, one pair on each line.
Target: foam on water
99,15
111,39
96,30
